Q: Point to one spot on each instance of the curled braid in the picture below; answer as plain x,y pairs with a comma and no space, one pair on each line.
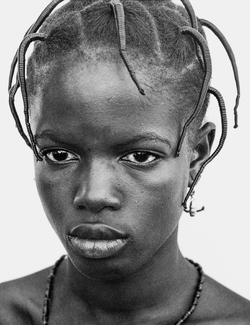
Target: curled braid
223,114
194,24
190,11
12,94
206,88
33,29
120,25
13,66
230,53
208,68
21,76
19,59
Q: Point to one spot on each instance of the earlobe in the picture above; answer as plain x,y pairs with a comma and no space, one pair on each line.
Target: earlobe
202,146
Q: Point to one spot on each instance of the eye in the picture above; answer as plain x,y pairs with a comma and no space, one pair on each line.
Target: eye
59,156
140,158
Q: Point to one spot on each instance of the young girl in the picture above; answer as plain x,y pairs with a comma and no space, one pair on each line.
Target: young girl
115,97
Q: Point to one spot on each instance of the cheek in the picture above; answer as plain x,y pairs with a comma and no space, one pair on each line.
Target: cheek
54,194
152,201
165,186
157,200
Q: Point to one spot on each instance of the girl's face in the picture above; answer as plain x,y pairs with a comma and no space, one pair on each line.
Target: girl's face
109,182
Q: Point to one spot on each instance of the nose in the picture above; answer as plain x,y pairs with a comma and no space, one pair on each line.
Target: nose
97,188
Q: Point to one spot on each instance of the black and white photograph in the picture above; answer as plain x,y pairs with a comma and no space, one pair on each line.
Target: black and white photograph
125,166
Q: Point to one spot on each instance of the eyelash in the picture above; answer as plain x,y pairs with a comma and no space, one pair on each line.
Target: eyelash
142,153
46,154
128,158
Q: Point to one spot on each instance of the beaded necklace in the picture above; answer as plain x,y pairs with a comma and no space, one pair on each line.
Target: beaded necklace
51,277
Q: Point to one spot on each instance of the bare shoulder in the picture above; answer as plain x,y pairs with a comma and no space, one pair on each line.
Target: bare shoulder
220,306
21,300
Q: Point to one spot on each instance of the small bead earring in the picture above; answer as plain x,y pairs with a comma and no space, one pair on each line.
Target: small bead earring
192,208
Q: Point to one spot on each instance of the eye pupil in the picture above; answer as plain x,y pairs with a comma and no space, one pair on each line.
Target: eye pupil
60,155
141,156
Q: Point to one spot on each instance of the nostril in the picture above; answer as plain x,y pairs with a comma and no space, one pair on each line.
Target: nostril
96,202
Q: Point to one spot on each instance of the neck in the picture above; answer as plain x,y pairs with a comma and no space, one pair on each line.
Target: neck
164,280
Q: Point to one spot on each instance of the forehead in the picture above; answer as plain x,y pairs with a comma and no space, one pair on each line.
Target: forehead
94,96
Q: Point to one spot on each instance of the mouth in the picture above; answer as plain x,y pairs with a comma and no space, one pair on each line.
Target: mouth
97,240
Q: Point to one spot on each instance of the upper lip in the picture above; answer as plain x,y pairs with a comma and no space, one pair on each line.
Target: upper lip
97,232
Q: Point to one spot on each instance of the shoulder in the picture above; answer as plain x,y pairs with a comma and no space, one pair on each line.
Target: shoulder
220,306
21,300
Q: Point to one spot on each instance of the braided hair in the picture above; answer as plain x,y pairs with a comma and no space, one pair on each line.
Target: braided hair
158,33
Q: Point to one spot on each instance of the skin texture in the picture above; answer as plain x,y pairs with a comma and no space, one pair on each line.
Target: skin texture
102,184
96,125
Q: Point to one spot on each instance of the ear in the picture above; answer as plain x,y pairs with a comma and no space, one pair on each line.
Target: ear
201,149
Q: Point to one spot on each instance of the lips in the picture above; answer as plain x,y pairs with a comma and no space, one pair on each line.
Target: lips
97,232
97,240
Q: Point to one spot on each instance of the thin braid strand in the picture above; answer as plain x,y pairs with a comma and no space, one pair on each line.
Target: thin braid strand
224,126
33,29
12,90
21,76
120,25
44,15
206,81
191,13
12,94
231,56
14,63
194,23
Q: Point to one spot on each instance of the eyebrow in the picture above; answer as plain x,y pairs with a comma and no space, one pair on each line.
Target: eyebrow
143,137
47,134
147,136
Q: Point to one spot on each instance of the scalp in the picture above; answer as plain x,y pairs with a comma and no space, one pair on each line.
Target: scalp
152,29
153,37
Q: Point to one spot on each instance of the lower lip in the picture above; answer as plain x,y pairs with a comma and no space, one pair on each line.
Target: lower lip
97,249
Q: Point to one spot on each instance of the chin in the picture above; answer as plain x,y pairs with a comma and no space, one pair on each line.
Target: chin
103,270
106,269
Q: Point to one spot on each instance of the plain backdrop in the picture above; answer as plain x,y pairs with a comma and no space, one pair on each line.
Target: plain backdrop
217,238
